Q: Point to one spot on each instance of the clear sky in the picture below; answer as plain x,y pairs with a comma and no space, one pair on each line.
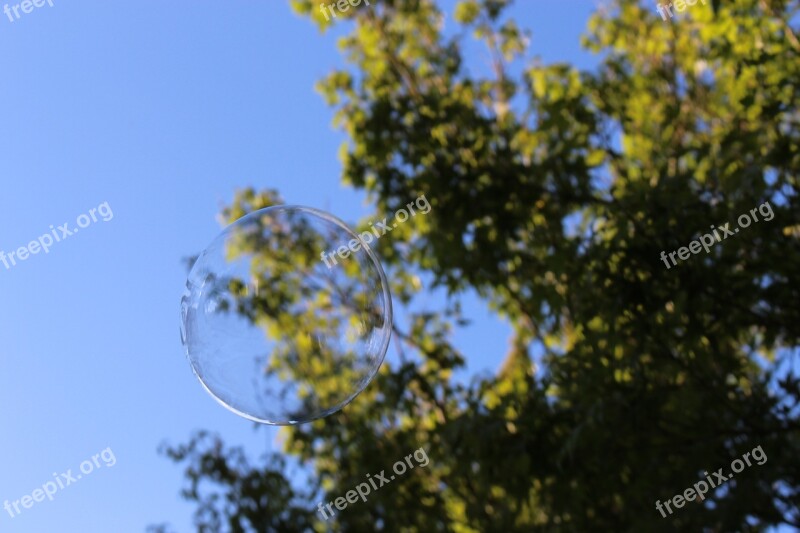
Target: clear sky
162,110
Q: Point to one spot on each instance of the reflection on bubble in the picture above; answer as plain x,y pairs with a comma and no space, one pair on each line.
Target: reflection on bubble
273,333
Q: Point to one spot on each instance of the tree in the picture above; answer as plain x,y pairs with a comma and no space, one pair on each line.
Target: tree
554,193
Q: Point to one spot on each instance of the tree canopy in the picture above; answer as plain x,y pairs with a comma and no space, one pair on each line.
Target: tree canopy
554,192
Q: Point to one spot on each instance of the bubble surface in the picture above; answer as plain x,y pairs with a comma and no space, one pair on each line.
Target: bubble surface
281,320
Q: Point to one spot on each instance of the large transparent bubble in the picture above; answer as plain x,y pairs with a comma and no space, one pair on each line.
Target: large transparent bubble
274,331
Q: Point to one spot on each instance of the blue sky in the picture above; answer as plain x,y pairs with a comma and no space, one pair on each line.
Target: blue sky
161,109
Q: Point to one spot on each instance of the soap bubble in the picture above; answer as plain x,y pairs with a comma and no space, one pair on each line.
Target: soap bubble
276,333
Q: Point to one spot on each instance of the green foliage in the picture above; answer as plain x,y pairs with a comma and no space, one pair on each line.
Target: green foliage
554,193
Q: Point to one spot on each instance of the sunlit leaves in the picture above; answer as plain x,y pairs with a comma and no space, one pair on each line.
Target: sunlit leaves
554,193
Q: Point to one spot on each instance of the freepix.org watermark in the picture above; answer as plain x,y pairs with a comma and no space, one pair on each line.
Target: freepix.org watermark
59,234
341,5
701,487
26,7
680,6
60,482
380,229
708,239
362,490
